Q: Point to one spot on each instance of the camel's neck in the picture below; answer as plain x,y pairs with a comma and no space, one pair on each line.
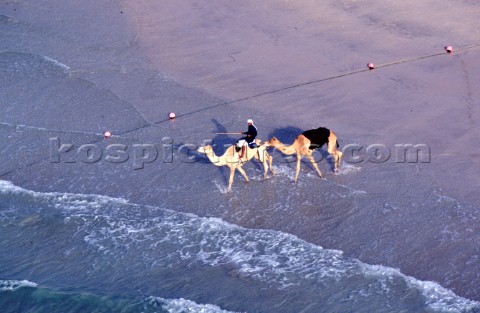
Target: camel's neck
216,160
286,149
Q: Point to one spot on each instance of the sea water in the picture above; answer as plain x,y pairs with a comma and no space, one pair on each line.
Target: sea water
63,252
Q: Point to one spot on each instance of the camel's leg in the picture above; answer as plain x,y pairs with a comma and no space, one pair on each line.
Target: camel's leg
232,174
338,157
242,171
265,169
299,158
270,160
315,165
262,155
332,149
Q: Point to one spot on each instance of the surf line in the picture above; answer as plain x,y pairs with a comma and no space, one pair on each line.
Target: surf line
225,103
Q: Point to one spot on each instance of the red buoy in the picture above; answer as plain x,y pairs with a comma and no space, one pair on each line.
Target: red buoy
107,134
449,49
171,115
371,66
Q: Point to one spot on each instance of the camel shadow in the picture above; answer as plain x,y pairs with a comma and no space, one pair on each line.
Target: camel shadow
287,135
221,142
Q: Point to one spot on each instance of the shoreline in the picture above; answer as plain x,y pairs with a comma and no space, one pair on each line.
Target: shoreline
420,218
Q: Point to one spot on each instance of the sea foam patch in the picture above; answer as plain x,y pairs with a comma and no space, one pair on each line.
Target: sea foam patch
437,297
20,63
12,285
185,306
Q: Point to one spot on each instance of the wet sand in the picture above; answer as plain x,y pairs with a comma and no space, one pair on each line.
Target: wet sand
136,65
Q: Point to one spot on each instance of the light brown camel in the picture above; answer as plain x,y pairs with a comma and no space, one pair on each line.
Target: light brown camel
231,159
306,143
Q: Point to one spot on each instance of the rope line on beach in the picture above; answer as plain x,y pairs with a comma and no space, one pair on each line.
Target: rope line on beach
76,132
57,154
97,139
225,103
425,56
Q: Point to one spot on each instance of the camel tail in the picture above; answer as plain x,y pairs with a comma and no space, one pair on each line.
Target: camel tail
338,146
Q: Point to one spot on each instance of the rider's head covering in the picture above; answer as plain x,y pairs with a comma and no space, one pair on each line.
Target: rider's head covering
250,121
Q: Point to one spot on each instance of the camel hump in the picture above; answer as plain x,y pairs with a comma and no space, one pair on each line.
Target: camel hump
318,137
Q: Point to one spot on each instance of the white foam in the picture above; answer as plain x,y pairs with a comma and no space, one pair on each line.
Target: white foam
464,212
284,171
270,256
11,285
350,189
437,297
8,186
440,298
443,198
30,63
56,63
347,168
64,200
221,187
185,306
167,237
280,259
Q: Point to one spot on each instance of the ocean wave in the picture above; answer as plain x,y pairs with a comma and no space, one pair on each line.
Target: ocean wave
168,238
438,298
61,199
185,306
5,19
54,299
33,65
56,63
47,300
12,285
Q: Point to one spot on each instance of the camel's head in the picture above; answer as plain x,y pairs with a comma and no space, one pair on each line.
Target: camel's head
272,142
206,149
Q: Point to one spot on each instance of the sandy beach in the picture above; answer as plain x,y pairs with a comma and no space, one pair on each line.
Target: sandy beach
244,49
72,71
